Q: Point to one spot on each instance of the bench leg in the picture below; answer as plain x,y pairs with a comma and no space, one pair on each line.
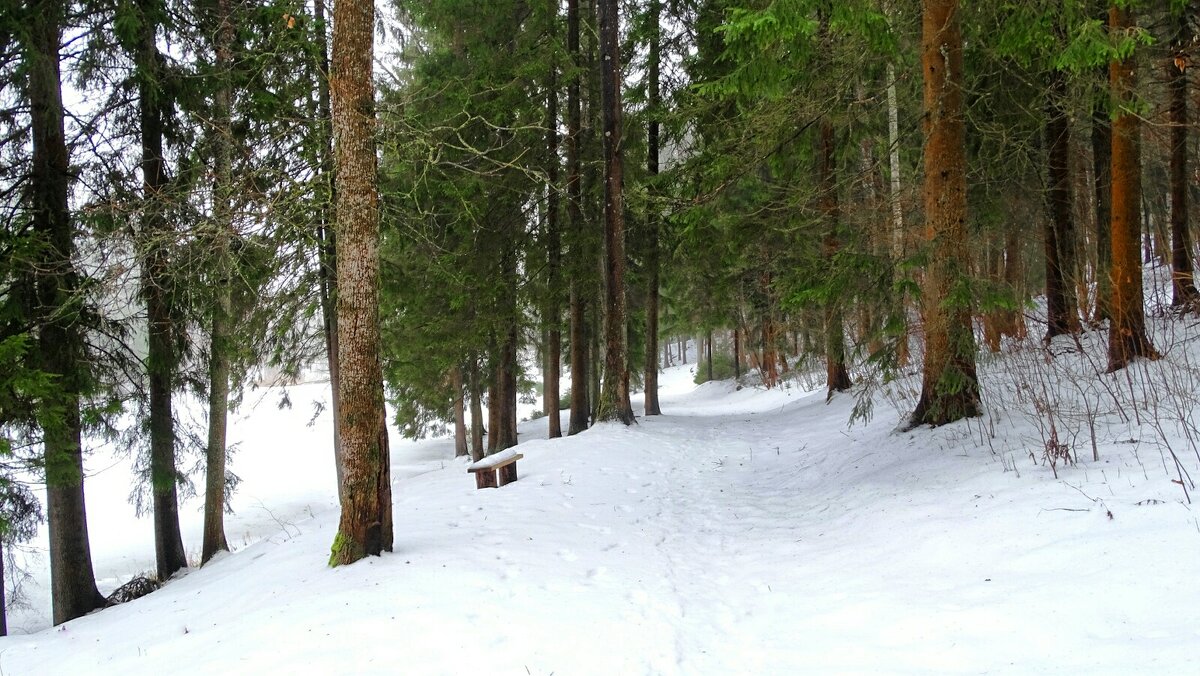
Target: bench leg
485,478
508,473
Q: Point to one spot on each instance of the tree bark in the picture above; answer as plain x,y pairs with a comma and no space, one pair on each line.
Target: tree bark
1127,334
949,387
460,417
218,368
708,342
552,377
837,377
614,395
60,342
161,358
1062,310
506,437
365,527
1102,163
737,353
580,402
1183,286
476,412
650,374
901,309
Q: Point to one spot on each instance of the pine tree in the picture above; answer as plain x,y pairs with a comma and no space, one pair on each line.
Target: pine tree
58,310
154,242
219,352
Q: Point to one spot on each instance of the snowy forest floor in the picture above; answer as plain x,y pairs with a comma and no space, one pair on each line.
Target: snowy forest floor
745,531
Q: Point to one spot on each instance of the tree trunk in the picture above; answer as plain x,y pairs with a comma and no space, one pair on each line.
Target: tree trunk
837,378
168,543
460,417
1102,168
737,353
218,367
1062,312
476,412
580,402
901,308
507,436
709,355
767,365
365,527
552,377
1014,273
1127,335
327,241
60,342
650,376
949,387
1182,285
614,395
495,398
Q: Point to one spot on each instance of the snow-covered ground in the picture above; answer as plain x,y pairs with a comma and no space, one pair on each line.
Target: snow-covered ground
745,531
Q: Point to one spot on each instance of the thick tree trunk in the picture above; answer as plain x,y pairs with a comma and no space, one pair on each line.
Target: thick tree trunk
1127,334
60,343
1182,285
218,368
614,395
552,376
1062,310
949,387
365,527
837,377
327,241
168,543
650,374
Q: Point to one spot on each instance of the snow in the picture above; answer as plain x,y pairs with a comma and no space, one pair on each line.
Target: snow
495,459
745,531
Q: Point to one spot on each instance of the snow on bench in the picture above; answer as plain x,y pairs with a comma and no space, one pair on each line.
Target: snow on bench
496,470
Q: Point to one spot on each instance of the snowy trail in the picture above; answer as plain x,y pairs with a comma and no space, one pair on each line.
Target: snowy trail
743,532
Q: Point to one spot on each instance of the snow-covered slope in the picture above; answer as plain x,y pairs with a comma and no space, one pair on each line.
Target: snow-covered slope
745,531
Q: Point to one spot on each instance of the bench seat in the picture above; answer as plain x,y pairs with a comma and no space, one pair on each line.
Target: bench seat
496,470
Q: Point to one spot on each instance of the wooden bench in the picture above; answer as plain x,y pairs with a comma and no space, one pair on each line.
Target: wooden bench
496,470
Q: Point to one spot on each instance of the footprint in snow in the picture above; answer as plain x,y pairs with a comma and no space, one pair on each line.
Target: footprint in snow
568,555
